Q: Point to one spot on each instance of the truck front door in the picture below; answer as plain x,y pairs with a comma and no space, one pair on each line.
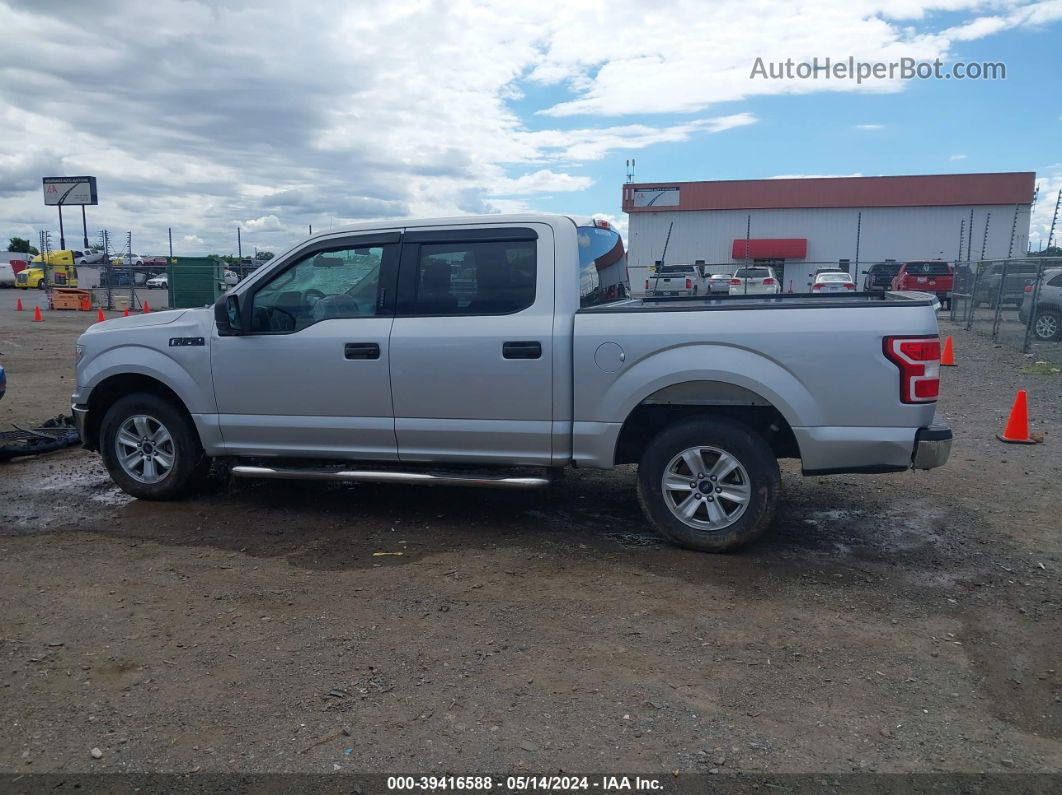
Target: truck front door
471,346
309,377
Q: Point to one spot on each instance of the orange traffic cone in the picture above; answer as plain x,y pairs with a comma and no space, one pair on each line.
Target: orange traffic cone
1017,430
947,358
99,315
147,307
37,315
126,312
18,305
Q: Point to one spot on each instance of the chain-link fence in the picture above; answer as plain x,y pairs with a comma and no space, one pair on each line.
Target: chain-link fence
1017,302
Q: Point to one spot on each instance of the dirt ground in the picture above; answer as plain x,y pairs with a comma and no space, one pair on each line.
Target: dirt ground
905,622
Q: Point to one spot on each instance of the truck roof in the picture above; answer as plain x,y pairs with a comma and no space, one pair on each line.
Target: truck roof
457,220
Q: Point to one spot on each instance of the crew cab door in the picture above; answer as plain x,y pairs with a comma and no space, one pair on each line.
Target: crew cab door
308,374
471,345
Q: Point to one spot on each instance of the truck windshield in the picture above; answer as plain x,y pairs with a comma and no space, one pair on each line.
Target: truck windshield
602,265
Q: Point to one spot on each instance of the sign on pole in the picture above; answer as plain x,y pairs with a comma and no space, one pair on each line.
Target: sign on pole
69,190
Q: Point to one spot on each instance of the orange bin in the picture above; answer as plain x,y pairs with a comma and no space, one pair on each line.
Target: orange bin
71,298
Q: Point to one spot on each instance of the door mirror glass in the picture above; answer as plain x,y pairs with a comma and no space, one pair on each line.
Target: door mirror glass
227,315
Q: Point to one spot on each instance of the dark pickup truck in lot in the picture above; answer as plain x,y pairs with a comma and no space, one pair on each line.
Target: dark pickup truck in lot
879,277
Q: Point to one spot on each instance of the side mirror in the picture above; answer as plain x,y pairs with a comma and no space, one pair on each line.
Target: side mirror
227,316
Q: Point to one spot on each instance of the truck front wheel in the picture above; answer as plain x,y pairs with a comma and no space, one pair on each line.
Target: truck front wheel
709,484
151,448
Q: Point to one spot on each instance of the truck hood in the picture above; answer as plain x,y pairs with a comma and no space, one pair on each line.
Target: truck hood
139,320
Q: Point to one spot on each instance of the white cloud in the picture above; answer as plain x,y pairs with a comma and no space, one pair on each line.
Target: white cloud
1049,182
194,240
265,223
543,181
957,157
869,126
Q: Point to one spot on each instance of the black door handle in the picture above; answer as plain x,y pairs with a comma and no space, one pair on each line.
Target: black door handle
522,350
361,350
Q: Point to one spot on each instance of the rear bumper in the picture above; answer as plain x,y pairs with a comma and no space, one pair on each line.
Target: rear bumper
837,450
932,447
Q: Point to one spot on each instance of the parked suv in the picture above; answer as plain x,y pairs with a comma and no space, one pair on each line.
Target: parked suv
1047,319
879,277
1019,276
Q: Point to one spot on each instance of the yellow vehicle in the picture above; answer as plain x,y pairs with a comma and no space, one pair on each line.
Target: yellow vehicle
61,271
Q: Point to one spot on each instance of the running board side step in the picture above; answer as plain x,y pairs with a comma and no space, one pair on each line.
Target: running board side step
387,476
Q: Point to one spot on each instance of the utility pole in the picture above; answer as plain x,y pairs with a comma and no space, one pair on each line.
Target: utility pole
84,227
1054,220
169,231
1013,232
859,230
239,244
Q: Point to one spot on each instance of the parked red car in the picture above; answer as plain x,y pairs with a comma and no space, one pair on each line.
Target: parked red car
927,276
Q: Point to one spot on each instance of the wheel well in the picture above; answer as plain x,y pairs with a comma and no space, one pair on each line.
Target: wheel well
111,389
647,419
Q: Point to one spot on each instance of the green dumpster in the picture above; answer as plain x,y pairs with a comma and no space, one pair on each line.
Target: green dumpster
195,281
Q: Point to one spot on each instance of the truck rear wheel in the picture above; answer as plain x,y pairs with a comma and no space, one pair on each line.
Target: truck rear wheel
151,448
709,484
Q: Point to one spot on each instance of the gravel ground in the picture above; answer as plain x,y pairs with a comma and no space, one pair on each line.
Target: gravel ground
906,622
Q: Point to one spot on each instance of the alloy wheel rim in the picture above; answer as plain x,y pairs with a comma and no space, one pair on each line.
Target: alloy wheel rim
1046,326
706,488
145,449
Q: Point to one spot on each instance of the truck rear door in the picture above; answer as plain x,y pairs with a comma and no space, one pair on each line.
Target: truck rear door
471,346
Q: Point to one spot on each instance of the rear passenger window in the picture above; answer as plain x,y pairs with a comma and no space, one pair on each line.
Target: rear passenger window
486,278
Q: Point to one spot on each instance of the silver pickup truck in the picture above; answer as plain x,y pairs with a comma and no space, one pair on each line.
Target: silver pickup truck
487,351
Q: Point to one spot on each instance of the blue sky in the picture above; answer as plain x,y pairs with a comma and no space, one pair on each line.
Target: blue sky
212,115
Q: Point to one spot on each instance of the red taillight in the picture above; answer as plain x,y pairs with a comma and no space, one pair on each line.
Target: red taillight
849,286
769,280
1028,288
919,361
689,283
736,281
818,286
646,284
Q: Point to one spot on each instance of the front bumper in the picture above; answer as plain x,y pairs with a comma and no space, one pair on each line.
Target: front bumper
932,447
80,420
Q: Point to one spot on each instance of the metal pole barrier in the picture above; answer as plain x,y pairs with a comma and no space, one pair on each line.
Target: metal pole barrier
62,237
999,300
1030,321
84,228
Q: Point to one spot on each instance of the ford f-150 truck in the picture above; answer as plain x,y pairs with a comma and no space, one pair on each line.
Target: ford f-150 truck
483,351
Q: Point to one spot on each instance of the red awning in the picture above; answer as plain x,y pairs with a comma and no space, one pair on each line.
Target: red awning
778,248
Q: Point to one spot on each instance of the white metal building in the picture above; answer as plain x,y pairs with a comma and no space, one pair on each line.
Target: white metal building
800,225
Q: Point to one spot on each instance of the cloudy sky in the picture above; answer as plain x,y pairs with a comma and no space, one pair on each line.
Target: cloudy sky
271,115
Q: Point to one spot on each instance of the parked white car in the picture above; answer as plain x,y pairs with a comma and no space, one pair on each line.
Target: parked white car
719,283
755,280
7,275
162,281
833,282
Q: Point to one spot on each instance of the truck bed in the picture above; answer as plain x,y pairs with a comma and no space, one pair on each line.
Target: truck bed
781,301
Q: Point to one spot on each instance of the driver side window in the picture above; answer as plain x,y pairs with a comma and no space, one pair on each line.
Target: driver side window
336,283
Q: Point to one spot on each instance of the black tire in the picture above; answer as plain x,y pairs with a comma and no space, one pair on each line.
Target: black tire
737,440
190,464
1038,327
